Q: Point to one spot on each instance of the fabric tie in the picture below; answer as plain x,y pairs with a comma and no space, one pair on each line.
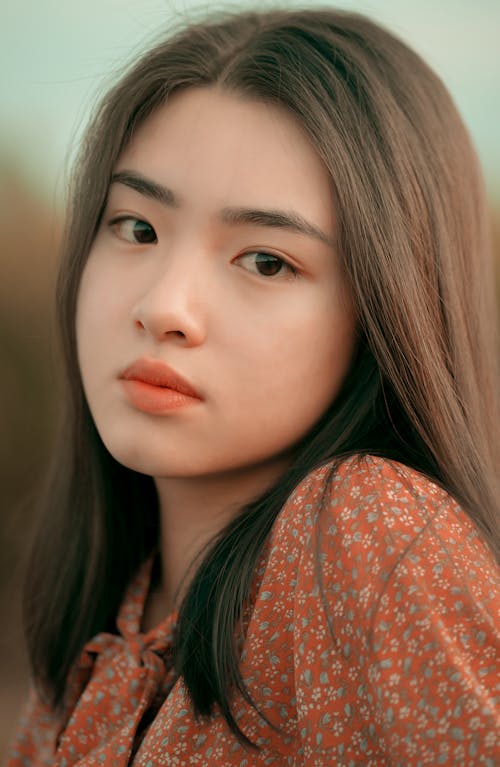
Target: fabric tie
130,672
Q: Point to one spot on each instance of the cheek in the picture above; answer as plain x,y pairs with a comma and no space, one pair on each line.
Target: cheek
284,393
97,316
295,368
88,320
301,346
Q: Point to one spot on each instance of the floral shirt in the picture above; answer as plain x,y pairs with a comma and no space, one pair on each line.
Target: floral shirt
373,639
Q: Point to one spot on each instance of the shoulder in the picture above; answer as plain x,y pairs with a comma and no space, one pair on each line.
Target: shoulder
393,600
368,481
368,492
368,516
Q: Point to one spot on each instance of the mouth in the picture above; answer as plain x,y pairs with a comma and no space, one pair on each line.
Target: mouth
154,387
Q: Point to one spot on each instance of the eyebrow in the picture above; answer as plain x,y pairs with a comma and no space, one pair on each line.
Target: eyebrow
278,219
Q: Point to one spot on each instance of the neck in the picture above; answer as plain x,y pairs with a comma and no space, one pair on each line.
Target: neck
193,510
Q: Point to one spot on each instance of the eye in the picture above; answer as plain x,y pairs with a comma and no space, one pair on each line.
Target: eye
265,264
133,230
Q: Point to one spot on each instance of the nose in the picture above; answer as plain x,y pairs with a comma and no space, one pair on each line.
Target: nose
173,304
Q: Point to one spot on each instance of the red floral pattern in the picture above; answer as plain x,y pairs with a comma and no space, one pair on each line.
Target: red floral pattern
373,639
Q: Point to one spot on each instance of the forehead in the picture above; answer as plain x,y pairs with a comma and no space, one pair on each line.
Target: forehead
211,145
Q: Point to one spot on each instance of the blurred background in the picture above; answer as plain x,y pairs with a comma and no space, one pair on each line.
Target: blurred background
56,58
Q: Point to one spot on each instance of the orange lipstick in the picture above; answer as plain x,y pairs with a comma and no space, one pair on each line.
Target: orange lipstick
153,387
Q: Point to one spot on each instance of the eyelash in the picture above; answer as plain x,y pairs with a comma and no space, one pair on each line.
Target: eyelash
291,272
115,222
288,268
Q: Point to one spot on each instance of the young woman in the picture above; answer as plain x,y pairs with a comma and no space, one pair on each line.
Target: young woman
272,529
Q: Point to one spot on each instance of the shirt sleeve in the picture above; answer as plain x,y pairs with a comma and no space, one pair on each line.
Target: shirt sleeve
397,632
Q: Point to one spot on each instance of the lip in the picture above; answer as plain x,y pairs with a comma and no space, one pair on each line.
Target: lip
152,386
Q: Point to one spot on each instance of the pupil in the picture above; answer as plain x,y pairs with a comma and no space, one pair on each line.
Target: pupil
143,233
268,265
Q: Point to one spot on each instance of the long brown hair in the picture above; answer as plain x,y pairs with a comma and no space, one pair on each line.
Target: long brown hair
422,387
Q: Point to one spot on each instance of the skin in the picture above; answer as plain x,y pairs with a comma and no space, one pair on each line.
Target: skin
267,352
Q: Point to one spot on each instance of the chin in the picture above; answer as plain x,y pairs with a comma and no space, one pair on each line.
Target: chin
152,463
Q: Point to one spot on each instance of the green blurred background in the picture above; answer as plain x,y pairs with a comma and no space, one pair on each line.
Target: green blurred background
56,57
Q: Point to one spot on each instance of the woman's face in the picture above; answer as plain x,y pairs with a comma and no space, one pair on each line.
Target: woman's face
215,257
